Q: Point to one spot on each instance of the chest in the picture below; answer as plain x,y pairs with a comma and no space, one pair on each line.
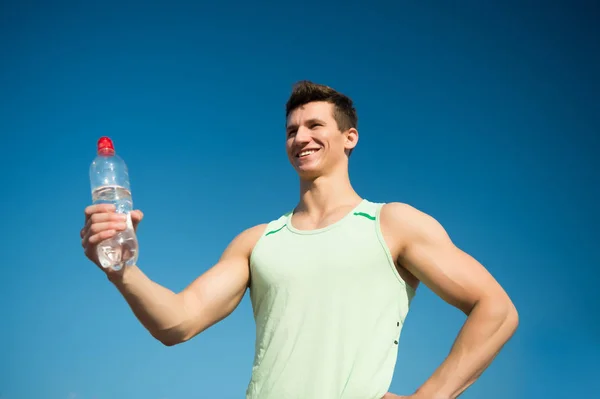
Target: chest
342,257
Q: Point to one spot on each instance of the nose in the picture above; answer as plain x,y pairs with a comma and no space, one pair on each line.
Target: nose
302,135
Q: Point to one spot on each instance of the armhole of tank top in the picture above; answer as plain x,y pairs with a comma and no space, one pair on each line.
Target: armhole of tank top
268,227
260,240
388,254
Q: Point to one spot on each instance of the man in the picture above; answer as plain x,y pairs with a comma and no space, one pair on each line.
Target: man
330,282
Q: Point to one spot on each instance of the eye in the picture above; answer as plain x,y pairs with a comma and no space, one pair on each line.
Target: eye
315,125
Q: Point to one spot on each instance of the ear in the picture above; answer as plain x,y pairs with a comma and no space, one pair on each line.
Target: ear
351,139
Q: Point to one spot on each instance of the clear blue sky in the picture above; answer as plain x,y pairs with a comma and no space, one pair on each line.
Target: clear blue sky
485,117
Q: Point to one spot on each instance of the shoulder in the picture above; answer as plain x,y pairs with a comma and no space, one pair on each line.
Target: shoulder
398,212
409,223
244,243
246,240
254,233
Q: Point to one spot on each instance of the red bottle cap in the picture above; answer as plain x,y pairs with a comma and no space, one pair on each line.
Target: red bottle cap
105,146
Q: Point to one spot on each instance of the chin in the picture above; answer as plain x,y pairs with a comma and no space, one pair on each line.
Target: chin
307,172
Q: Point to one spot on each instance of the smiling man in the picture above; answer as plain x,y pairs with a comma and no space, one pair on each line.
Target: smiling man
330,282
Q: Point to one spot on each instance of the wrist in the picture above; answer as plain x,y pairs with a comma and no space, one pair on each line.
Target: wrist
119,277
422,393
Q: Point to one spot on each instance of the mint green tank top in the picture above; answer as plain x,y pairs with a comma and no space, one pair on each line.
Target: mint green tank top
329,307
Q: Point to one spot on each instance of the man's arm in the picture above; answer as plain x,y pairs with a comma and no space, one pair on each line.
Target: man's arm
428,253
173,318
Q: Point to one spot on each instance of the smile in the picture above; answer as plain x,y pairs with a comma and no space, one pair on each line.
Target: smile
305,153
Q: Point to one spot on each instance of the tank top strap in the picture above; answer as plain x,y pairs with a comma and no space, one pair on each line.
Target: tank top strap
276,225
369,210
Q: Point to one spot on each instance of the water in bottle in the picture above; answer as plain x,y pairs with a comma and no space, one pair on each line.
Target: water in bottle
109,179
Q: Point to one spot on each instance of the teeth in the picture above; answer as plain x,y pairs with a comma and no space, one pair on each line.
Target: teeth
307,152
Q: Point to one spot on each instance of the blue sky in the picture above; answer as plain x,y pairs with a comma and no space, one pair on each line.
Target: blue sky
485,117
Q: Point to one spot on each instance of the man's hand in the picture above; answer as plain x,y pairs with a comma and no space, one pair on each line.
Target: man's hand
101,223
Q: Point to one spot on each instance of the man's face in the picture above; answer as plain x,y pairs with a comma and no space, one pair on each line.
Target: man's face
314,144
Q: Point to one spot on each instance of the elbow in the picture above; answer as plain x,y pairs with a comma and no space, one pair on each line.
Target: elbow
169,341
504,310
171,337
512,317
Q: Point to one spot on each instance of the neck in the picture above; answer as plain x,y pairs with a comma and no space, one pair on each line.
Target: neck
325,193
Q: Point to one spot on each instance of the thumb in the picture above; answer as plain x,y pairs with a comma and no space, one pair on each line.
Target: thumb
136,216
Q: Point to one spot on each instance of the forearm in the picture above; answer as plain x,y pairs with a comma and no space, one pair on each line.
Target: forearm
488,327
161,311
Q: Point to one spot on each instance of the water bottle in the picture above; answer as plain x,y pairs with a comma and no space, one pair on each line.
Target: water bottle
109,179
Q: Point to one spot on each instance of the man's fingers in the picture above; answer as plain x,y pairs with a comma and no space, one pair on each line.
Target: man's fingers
90,240
100,227
99,220
108,217
85,238
137,215
86,226
102,222
93,233
98,208
101,236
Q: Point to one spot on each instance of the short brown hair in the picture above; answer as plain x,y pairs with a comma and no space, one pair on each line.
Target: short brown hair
304,92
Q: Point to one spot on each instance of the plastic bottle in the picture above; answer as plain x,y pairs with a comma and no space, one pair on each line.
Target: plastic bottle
109,179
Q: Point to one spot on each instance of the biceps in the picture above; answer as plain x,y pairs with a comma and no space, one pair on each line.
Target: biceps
215,294
451,273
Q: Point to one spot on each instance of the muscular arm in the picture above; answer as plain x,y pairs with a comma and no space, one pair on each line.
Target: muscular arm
428,253
172,317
